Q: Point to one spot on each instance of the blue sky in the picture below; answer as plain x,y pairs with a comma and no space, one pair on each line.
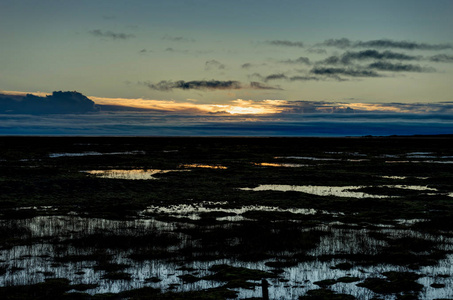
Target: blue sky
230,56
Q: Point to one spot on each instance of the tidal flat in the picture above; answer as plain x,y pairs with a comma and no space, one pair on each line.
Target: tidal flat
226,218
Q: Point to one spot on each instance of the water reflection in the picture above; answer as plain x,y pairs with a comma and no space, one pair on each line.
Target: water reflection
284,165
403,177
194,210
394,177
136,174
308,158
203,166
53,237
94,153
338,191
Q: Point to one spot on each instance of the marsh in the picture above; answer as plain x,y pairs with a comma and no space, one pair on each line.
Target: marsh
212,217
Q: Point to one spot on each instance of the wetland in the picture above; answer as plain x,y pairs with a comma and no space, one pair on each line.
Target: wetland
226,218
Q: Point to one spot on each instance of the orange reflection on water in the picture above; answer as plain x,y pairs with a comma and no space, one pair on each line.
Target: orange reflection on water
285,165
139,174
202,166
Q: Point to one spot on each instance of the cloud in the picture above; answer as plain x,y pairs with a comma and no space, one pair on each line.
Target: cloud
338,43
177,38
56,103
275,77
300,60
348,57
282,108
250,65
304,78
170,49
383,43
344,71
386,66
111,35
316,50
444,58
168,85
285,43
260,86
213,64
144,51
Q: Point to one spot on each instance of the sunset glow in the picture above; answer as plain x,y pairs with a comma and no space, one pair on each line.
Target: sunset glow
191,68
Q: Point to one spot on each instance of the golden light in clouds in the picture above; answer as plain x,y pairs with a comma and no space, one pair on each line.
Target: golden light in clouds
378,107
16,93
247,107
235,107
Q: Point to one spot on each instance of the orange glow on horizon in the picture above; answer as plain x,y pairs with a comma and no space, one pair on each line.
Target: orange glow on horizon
247,107
236,107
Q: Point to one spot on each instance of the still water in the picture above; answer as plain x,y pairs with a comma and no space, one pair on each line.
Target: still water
33,262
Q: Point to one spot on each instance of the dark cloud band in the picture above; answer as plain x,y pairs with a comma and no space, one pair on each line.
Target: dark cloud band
444,58
111,35
386,66
168,85
285,43
300,60
384,43
344,71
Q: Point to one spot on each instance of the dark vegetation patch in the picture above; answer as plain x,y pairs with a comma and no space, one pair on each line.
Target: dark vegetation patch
117,276
237,276
325,282
188,278
325,294
249,240
343,266
348,279
83,287
395,282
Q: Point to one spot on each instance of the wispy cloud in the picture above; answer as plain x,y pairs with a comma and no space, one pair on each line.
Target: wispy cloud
344,71
316,50
285,43
177,38
173,50
443,58
261,86
300,60
278,76
391,67
304,78
111,35
349,57
168,85
384,43
213,65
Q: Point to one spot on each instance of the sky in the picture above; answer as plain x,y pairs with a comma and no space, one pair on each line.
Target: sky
256,64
